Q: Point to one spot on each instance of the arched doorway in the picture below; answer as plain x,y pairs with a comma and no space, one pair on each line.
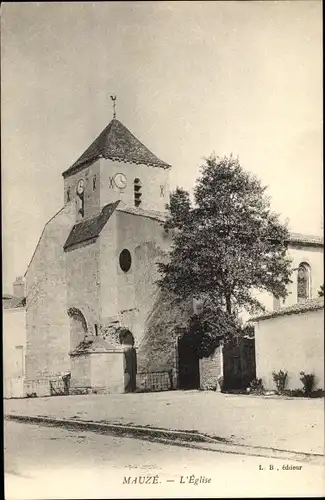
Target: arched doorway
188,365
78,327
130,360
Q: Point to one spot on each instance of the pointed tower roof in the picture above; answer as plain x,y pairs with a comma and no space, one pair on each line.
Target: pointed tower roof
116,142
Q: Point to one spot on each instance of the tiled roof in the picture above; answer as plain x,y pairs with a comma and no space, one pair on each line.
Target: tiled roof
150,214
309,305
305,239
90,228
116,142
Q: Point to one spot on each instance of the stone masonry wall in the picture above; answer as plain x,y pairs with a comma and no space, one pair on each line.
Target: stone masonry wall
137,290
314,256
158,348
211,370
152,317
83,282
91,194
108,266
153,198
46,303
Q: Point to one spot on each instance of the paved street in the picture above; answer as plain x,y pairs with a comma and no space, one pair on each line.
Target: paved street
50,462
284,424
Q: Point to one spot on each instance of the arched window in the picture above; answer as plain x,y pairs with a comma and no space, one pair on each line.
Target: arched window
303,282
137,192
126,337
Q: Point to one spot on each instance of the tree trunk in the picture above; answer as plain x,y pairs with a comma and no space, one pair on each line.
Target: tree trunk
228,304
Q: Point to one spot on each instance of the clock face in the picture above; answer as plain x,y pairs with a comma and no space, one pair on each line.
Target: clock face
120,181
80,186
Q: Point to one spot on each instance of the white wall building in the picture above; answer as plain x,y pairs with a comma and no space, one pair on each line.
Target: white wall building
14,341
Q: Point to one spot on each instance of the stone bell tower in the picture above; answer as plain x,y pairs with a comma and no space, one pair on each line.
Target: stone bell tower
117,166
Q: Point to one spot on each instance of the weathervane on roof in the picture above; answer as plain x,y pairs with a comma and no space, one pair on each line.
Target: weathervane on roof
113,97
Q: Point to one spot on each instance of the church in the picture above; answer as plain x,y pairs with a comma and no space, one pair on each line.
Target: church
94,269
95,318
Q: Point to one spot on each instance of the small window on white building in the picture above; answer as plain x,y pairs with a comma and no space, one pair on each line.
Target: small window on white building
303,282
137,192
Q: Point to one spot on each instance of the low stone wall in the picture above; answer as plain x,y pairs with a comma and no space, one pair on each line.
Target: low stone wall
13,388
39,387
45,385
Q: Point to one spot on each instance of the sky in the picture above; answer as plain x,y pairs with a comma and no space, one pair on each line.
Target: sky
191,78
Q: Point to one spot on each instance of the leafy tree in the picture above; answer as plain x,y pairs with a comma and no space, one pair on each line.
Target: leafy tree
321,291
205,332
228,244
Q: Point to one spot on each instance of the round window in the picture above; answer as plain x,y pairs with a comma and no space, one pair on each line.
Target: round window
125,260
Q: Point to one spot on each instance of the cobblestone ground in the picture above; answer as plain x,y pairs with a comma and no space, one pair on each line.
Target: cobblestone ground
44,463
287,424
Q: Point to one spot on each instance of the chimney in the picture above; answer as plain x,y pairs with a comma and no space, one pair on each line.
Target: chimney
19,288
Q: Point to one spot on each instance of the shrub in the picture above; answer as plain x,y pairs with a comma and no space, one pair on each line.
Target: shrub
319,393
211,387
300,393
308,381
294,393
256,386
280,379
31,395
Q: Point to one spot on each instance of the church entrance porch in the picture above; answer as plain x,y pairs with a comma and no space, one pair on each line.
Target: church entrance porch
103,365
97,367
188,365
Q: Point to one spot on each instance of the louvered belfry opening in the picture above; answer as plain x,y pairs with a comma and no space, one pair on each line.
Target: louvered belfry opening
137,192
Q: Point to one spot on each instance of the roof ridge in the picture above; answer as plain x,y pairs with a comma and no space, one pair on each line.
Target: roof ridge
305,238
138,140
308,305
152,214
116,142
